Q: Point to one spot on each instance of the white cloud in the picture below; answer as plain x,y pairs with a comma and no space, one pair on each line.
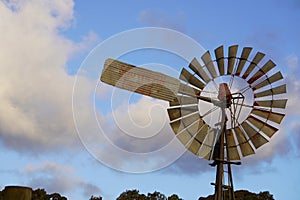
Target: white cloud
143,119
136,137
35,90
58,178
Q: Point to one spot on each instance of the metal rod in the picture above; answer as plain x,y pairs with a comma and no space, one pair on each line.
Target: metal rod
230,179
220,167
231,193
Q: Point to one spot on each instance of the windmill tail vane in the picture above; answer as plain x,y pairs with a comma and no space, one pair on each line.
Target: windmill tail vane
139,80
221,110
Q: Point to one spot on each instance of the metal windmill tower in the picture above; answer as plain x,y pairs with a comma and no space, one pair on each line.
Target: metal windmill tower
221,109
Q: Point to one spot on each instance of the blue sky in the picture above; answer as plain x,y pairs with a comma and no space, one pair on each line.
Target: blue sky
43,45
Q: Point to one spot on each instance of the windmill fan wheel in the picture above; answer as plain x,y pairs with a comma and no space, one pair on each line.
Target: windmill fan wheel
246,88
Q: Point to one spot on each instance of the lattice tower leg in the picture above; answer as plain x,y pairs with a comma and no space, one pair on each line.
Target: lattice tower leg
221,190
220,171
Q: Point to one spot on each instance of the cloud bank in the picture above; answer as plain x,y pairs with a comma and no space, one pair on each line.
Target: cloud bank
35,90
58,178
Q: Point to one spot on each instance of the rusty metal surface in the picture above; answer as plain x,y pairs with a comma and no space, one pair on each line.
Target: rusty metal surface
194,146
272,79
269,115
182,123
195,126
208,144
245,147
188,90
198,69
190,125
256,138
232,153
280,103
202,133
231,58
262,126
273,91
188,77
219,52
184,137
178,112
176,126
183,100
139,80
242,61
257,58
262,71
192,134
206,58
187,121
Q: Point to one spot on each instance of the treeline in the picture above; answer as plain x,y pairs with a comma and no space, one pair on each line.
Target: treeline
134,194
239,195
41,194
245,195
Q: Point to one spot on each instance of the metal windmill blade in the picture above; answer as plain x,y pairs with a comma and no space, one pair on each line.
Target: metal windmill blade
139,80
221,109
254,130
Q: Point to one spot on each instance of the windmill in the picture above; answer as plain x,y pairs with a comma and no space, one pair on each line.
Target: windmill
221,109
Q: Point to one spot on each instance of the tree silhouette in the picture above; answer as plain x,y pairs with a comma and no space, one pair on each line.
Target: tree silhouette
156,196
174,197
95,198
265,196
244,195
132,194
135,195
56,196
39,194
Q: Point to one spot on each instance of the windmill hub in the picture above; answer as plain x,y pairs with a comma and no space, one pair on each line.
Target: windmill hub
230,92
224,95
